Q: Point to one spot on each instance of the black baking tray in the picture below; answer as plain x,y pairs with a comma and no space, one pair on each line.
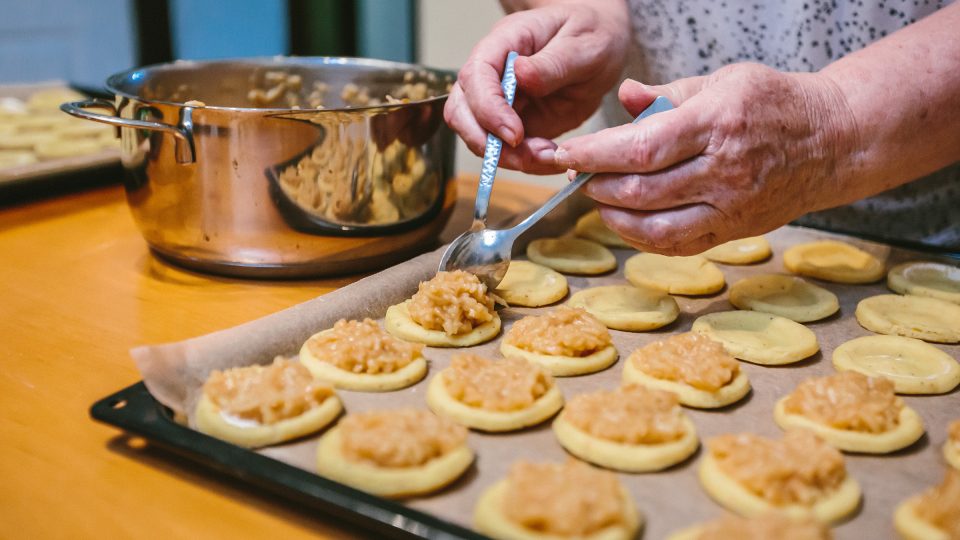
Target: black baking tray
134,410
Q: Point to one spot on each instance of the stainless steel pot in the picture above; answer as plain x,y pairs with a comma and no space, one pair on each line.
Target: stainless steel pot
232,168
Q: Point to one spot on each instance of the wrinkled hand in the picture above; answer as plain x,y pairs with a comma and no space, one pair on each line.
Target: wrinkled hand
746,150
571,54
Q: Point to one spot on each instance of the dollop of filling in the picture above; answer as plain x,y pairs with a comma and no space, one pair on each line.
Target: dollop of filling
689,358
398,438
764,527
565,331
953,433
798,469
497,385
363,347
940,506
570,499
455,302
266,394
847,400
631,414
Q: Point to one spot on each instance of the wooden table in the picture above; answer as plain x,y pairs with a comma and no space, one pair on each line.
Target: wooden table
78,289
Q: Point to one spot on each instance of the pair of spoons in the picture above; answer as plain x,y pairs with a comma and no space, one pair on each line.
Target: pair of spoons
486,252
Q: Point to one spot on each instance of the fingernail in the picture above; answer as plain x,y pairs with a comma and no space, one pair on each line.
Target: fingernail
546,155
508,135
561,157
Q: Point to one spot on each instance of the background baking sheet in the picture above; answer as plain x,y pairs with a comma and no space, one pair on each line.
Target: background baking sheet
671,499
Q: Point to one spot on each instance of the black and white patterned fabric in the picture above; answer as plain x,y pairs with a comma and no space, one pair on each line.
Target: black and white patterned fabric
673,39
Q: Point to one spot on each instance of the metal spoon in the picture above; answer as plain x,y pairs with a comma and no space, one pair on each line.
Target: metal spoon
486,252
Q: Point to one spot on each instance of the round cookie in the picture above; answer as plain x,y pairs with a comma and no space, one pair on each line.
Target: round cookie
929,319
830,260
529,284
908,431
251,435
759,338
951,453
936,280
910,526
565,366
571,255
591,227
913,366
399,323
697,398
693,275
932,514
786,296
565,341
624,307
743,251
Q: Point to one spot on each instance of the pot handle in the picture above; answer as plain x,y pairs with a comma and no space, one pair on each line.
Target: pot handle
183,132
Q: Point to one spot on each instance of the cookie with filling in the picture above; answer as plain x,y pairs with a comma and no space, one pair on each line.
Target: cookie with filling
765,527
632,429
553,501
571,255
852,412
694,367
565,341
921,317
628,308
913,366
932,515
693,275
394,453
926,278
257,405
494,395
591,227
453,309
759,338
787,296
529,284
830,260
799,475
743,251
951,448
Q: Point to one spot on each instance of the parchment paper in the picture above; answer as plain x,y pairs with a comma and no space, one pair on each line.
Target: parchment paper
670,500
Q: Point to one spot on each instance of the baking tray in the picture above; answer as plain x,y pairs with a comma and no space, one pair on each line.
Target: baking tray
134,410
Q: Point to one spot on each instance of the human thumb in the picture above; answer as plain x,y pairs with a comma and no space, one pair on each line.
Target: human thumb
636,96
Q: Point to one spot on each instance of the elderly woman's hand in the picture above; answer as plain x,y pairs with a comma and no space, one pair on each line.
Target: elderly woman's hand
746,150
571,54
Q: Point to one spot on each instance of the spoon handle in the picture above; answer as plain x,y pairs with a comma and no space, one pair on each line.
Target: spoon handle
491,152
660,104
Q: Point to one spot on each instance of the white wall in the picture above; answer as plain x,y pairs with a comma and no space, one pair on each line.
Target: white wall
446,31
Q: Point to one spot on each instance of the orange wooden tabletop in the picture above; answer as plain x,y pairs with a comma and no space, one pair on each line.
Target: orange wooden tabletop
78,289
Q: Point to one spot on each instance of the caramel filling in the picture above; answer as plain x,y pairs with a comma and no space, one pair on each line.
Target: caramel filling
940,506
398,438
266,394
362,347
631,414
689,358
798,469
765,527
454,302
565,331
497,385
847,400
569,499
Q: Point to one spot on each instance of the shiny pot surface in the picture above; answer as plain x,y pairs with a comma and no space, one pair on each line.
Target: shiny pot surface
232,167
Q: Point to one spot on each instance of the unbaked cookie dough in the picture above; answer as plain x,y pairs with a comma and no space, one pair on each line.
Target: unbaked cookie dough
951,448
565,341
852,412
759,338
694,367
913,366
742,251
394,453
257,406
632,429
571,255
359,355
830,260
629,308
494,395
453,309
787,296
693,275
936,280
551,501
798,476
931,515
529,284
591,227
766,527
929,319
